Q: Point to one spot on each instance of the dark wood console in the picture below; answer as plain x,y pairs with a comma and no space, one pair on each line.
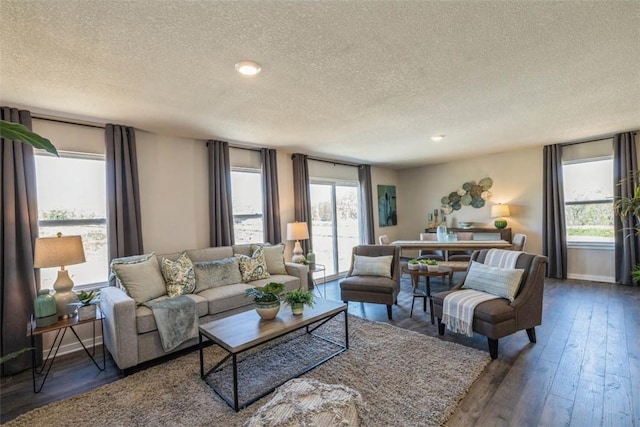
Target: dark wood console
504,233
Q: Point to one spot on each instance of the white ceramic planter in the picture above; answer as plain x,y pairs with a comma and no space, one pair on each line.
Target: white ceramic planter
413,266
432,267
269,310
87,312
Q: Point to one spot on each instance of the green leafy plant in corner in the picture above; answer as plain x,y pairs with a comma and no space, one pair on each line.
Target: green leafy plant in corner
13,355
300,296
267,293
18,132
624,206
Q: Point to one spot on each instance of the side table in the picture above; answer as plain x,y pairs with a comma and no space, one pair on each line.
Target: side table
415,278
61,327
319,268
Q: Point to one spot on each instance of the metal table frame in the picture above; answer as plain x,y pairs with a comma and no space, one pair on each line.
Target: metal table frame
310,328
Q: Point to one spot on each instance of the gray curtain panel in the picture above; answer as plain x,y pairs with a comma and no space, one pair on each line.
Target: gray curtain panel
302,195
554,239
124,226
18,233
367,232
220,207
270,197
625,178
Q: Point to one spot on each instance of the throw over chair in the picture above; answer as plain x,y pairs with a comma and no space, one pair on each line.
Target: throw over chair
372,288
498,318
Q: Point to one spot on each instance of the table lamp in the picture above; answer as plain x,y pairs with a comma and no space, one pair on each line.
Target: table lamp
60,251
499,211
297,231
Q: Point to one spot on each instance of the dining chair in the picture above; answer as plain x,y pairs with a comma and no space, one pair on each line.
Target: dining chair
519,242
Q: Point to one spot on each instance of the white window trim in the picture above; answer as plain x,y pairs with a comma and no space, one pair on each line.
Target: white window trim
610,246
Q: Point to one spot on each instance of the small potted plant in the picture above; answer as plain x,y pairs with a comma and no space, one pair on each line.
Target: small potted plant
422,264
432,264
413,264
298,298
86,304
267,299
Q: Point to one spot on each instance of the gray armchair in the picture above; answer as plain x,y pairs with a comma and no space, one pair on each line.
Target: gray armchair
498,318
374,289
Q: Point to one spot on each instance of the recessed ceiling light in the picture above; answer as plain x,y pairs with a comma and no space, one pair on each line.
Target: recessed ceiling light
437,137
248,68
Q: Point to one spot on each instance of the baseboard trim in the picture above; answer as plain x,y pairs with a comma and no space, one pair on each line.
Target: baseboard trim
72,347
592,278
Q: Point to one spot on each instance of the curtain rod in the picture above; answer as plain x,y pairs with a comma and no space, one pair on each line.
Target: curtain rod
334,162
600,138
244,148
34,116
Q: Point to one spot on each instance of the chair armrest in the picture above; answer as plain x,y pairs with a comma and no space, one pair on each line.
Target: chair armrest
120,333
301,271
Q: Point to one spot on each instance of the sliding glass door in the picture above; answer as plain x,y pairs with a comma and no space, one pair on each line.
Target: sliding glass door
334,208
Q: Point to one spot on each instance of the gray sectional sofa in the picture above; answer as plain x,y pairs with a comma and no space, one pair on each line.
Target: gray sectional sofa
130,332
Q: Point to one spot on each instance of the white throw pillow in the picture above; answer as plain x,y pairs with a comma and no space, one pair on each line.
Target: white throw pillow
502,282
274,256
372,265
143,280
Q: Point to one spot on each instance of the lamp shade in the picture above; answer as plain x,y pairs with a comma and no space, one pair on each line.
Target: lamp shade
297,231
58,251
500,211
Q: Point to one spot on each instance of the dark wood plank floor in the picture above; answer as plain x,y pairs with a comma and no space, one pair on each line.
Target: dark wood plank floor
583,371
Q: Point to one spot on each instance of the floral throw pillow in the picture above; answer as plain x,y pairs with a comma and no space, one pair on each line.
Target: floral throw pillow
253,267
179,275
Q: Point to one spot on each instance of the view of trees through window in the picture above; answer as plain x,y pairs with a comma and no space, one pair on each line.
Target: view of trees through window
334,209
246,196
588,193
72,201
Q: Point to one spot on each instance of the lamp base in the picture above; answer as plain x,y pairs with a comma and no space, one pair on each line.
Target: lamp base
297,257
65,297
500,223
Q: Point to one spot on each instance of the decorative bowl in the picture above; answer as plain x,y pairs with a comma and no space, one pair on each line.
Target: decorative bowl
465,224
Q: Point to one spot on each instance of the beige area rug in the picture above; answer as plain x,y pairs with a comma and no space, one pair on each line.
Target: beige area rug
405,378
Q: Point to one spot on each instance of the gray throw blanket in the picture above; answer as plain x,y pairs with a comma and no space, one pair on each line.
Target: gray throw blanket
176,318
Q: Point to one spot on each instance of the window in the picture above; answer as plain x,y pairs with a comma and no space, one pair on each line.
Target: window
335,228
72,200
588,194
246,189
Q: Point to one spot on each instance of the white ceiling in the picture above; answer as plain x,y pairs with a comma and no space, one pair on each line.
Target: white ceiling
355,80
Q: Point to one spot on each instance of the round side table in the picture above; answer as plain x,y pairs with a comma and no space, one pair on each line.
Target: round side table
441,272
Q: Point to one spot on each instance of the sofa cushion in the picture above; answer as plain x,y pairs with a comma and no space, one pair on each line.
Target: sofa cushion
145,322
133,259
372,265
502,282
274,256
142,280
222,272
291,282
243,249
179,275
253,267
225,298
210,254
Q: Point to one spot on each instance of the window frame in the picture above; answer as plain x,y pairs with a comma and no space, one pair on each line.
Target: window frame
257,171
588,244
81,221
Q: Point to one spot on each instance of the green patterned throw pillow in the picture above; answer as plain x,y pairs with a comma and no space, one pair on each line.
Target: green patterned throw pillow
253,267
179,275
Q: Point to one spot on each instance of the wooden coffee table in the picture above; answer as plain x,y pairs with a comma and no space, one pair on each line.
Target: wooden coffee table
415,278
243,331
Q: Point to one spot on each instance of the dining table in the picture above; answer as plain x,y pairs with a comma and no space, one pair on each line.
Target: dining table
458,245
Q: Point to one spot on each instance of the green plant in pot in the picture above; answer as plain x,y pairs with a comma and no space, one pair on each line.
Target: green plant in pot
625,206
298,298
266,299
413,264
431,264
87,304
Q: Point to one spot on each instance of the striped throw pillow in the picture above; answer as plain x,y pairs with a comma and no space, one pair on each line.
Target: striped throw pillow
502,282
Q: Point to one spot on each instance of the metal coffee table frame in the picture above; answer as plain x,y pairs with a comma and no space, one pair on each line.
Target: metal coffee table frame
310,324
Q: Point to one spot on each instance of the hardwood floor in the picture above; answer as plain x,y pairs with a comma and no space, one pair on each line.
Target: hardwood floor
583,371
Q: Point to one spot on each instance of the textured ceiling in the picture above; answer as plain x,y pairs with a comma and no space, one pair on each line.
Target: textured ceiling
358,81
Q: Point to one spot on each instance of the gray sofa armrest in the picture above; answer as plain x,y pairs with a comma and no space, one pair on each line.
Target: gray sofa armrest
300,271
120,334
